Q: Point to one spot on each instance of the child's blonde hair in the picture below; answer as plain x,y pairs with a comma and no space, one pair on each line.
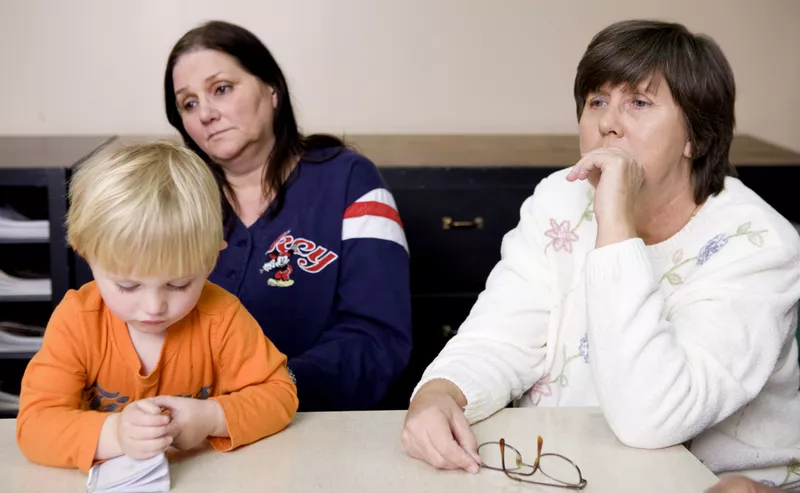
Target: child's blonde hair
148,209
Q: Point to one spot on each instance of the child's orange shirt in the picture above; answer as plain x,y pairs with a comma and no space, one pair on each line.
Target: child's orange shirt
88,368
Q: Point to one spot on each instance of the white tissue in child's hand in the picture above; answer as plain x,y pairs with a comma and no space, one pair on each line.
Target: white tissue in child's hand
125,475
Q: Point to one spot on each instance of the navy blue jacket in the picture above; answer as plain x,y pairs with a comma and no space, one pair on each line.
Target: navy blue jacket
328,280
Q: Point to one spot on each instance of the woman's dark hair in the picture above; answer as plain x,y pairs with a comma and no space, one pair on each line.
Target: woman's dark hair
255,58
699,77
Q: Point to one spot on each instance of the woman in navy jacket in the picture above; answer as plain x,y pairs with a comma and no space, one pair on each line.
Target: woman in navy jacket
316,249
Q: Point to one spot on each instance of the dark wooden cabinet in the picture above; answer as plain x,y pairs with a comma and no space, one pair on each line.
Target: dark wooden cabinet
458,195
453,234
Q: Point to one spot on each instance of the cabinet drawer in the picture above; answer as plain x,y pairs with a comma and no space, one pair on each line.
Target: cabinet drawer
435,320
776,185
454,235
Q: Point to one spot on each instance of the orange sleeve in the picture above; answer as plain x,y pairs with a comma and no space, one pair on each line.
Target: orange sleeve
52,427
255,391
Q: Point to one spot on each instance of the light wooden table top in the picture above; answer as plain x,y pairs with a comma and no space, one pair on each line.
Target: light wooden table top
360,451
36,152
524,150
528,150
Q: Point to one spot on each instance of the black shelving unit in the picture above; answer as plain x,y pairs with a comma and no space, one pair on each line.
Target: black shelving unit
17,355
34,173
25,298
22,241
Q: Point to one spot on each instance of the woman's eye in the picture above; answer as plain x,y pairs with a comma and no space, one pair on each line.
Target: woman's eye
223,89
126,289
596,103
640,103
189,105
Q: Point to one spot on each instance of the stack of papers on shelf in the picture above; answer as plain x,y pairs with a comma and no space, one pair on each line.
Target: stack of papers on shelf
8,402
16,286
14,225
12,341
20,329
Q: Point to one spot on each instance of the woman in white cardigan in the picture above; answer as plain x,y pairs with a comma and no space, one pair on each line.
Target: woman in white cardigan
645,279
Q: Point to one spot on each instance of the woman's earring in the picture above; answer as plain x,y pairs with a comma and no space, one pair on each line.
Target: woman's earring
687,150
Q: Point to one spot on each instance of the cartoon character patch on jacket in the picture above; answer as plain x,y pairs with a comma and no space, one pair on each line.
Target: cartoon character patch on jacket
308,255
280,258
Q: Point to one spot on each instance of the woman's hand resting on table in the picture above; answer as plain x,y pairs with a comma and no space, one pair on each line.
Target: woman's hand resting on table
436,431
617,178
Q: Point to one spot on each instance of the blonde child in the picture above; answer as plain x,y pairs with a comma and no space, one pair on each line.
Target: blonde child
150,333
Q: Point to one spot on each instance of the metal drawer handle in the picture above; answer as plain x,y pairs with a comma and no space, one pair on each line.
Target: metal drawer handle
447,331
448,223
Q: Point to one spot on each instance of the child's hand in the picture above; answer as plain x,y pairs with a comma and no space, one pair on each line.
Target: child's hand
142,431
193,420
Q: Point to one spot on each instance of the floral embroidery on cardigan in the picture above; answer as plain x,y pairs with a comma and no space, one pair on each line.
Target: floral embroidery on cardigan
561,235
714,245
711,248
540,388
543,387
583,348
792,469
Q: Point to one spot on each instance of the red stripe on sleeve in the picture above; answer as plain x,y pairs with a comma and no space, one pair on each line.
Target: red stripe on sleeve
359,209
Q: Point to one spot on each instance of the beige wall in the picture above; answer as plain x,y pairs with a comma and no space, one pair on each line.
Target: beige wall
374,66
